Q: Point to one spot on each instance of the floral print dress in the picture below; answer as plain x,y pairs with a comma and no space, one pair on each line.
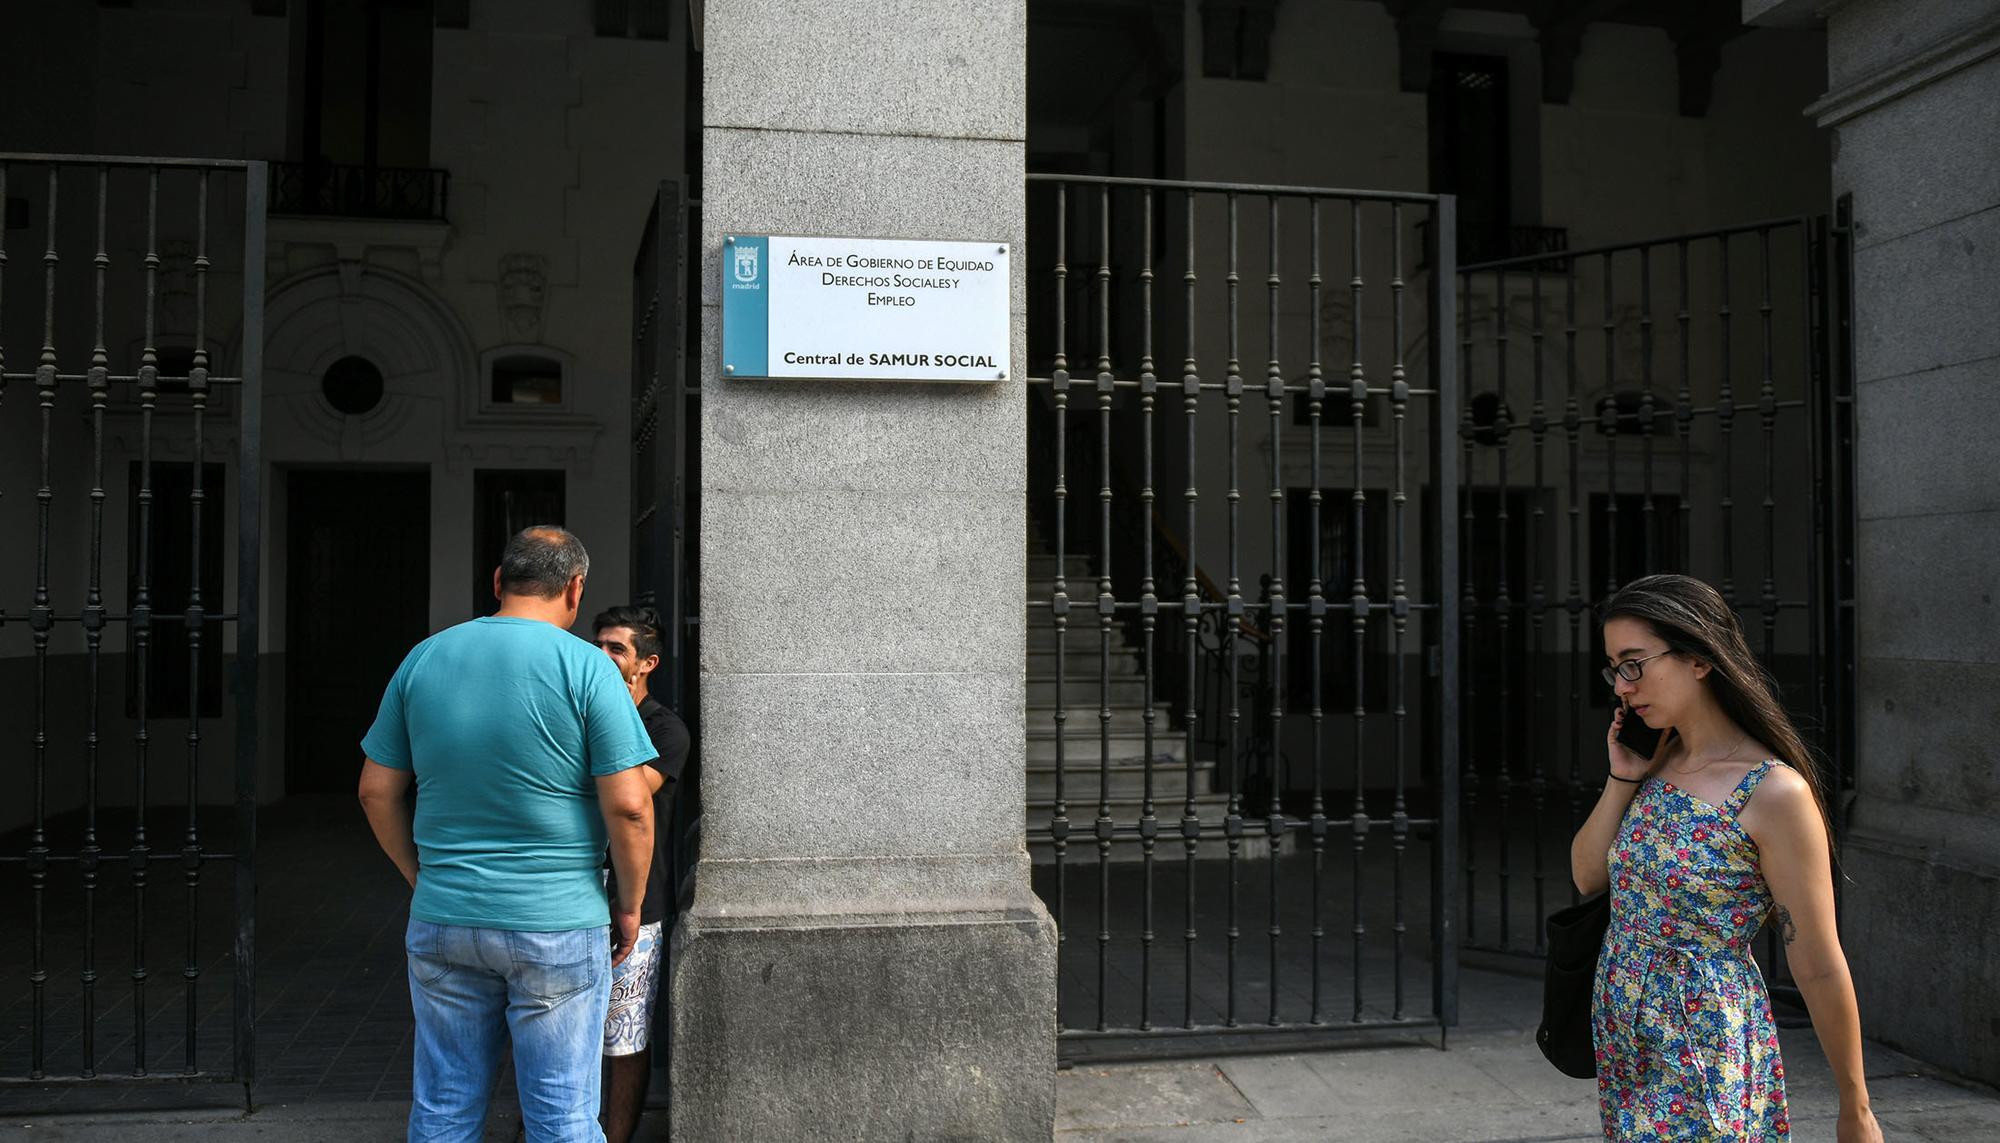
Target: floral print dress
1686,1047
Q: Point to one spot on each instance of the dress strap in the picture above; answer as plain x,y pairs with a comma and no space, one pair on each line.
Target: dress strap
1748,786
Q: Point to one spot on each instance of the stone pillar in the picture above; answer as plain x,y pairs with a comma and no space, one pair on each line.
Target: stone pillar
1914,101
864,958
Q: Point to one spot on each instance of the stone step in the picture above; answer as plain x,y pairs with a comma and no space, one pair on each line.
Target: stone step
1077,664
1081,688
1128,718
1128,782
1084,749
1169,846
1082,633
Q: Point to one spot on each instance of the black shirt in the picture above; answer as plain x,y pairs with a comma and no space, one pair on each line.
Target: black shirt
670,738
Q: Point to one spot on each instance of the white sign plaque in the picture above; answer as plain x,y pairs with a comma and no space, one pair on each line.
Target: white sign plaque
880,308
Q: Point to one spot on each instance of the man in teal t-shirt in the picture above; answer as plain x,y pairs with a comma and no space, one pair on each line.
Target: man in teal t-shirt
525,749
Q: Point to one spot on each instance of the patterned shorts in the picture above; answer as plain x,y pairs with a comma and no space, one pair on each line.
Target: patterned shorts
628,1025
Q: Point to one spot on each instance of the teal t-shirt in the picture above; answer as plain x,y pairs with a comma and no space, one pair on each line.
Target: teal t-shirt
507,724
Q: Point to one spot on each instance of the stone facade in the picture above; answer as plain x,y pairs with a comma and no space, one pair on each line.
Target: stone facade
554,138
1914,102
864,957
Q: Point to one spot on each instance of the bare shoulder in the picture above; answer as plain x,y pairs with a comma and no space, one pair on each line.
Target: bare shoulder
1782,802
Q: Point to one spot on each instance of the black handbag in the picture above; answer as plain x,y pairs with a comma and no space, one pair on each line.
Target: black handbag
1575,936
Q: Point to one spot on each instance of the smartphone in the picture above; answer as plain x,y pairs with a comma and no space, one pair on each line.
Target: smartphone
1636,736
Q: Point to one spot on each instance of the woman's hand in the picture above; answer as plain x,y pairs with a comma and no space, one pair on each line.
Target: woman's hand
1625,762
1857,1125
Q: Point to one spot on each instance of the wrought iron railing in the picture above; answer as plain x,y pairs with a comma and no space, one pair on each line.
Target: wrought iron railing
1671,405
132,846
347,191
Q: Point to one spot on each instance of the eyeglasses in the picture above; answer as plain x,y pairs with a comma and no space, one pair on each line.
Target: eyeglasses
1630,670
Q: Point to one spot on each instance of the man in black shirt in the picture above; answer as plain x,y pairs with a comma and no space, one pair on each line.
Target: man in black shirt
631,636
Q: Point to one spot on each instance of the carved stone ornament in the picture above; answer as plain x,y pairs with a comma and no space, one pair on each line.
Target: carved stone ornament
524,281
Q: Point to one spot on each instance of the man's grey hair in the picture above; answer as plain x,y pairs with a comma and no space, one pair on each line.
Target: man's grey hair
540,561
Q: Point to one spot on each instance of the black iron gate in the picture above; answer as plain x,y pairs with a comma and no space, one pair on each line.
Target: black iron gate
665,481
1678,404
131,342
1246,839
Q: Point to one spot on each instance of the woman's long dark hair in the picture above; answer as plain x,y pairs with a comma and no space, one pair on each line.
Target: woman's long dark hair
1694,620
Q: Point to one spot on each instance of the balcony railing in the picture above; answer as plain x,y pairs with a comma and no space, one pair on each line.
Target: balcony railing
343,191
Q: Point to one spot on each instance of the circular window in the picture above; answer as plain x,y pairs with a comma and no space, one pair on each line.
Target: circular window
352,385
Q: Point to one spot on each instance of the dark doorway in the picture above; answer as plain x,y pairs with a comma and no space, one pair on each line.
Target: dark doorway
504,501
358,598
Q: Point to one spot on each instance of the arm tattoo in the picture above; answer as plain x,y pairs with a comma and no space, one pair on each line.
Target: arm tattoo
1787,931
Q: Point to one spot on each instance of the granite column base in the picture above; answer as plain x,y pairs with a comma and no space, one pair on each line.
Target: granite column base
907,1025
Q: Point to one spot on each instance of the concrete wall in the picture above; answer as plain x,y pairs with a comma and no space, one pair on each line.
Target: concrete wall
1914,101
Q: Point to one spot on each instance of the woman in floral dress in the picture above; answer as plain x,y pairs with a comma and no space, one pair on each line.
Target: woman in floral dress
1724,827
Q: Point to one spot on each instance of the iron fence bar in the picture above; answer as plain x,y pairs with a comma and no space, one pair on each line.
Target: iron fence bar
1445,902
40,620
1274,388
36,158
1357,408
1557,257
1132,832
191,855
1607,423
1106,611
109,379
1132,383
1399,817
1059,600
1726,424
1812,253
1502,607
1538,603
1148,602
1469,618
1191,612
1768,419
1695,412
1316,609
1225,1032
1233,818
93,626
141,629
1574,601
249,596
1135,607
1646,408
1233,189
1684,419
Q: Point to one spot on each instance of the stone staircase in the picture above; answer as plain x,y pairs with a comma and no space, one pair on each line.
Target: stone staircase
1082,742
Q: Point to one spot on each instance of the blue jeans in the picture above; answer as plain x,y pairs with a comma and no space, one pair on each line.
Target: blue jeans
470,989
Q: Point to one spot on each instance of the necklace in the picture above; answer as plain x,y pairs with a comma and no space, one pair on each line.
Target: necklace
1722,758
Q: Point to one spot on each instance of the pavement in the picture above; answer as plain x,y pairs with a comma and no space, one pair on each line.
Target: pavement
334,1039
1487,1085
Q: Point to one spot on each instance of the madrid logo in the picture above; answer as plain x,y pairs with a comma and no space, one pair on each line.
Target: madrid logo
746,263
